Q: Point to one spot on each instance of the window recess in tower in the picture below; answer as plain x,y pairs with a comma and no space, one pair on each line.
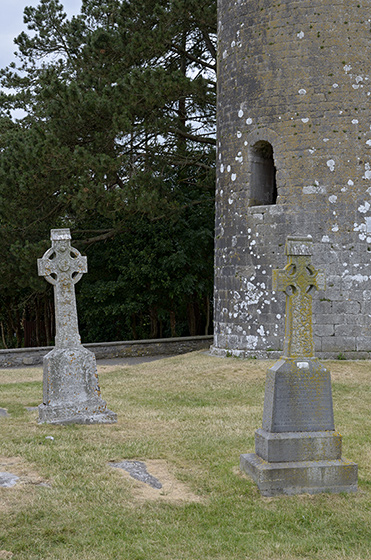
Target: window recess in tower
263,187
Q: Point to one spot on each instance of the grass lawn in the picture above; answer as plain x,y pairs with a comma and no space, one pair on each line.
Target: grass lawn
188,418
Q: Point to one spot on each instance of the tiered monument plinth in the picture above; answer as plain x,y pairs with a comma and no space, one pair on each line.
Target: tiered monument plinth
298,450
71,393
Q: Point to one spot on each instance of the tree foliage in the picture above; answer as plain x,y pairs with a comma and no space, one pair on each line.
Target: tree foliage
115,141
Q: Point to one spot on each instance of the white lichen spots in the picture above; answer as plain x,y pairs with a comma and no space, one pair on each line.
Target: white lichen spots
368,143
229,168
326,139
359,79
333,198
362,236
350,183
245,143
344,189
233,177
240,113
249,121
233,44
368,239
355,121
221,168
278,316
314,189
330,164
239,157
350,279
325,239
264,272
335,228
335,86
261,331
258,311
238,134
300,35
252,342
225,54
234,241
367,174
305,120
347,68
230,200
302,91
252,294
364,208
360,227
311,150
355,86
253,242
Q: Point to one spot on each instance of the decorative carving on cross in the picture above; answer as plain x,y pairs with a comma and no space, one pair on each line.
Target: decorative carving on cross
63,266
298,280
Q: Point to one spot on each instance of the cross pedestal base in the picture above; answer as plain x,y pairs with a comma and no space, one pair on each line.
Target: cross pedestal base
71,393
300,477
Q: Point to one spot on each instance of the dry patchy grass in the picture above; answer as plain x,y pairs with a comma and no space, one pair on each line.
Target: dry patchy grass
188,418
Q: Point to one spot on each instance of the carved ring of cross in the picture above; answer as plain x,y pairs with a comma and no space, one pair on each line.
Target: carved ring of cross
52,265
300,276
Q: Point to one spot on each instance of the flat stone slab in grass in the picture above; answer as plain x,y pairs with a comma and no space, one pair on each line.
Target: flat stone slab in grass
138,470
4,412
7,480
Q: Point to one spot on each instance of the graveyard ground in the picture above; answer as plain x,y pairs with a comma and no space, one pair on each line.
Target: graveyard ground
188,418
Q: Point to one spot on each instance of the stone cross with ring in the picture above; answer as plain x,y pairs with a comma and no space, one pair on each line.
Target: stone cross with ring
298,280
63,266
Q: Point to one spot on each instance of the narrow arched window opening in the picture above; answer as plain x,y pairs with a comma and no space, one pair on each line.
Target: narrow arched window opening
263,175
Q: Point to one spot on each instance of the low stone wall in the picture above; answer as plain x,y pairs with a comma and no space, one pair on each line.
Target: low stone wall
125,349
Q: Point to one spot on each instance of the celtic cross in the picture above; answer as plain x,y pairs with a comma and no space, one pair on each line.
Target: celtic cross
298,280
63,266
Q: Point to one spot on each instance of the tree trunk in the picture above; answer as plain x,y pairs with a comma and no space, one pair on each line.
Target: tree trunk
154,322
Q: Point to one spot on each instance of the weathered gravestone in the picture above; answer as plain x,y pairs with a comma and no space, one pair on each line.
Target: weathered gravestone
298,449
71,391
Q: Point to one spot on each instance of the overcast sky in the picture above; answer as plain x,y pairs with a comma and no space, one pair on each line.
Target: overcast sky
11,23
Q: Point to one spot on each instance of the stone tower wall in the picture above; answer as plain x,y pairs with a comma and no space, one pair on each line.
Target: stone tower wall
295,75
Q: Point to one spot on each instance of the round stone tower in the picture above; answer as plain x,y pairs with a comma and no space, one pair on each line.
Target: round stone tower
294,158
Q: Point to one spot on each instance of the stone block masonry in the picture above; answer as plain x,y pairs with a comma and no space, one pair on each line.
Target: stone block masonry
294,157
18,357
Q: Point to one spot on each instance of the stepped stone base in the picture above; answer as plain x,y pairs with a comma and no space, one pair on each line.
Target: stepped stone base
300,477
297,446
71,393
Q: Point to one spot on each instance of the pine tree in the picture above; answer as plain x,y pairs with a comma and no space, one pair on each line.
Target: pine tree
117,143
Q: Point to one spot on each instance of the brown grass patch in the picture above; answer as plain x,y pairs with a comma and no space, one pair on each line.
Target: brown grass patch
28,478
172,491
